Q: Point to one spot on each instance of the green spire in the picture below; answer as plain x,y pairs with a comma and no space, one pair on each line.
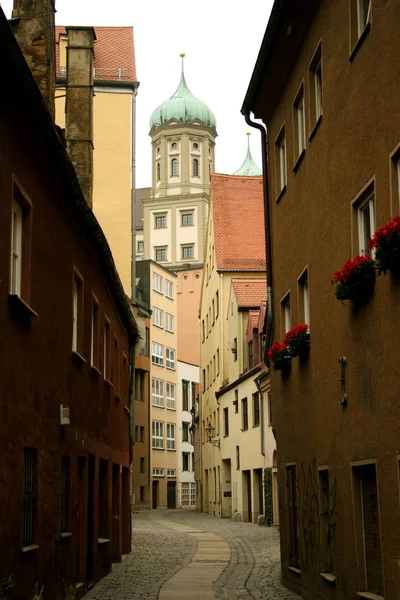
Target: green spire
182,106
249,167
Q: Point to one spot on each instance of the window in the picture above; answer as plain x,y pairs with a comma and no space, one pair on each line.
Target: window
185,461
185,431
185,395
195,167
64,491
281,175
203,331
360,21
185,494
142,494
140,246
160,254
213,312
327,528
146,347
204,380
16,248
186,219
157,354
157,317
160,221
158,172
367,528
315,79
245,415
174,146
170,436
141,434
169,322
194,394
208,376
217,361
158,472
207,324
171,472
285,314
395,179
141,464
299,123
226,422
195,146
292,508
193,491
171,396
77,313
236,402
157,396
103,497
251,359
365,209
94,344
157,430
21,227
269,403
256,409
217,304
116,379
237,457
169,289
174,167
158,283
170,356
234,349
106,348
187,252
363,15
304,302
136,433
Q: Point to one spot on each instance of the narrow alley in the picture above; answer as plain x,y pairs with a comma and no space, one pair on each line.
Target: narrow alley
185,554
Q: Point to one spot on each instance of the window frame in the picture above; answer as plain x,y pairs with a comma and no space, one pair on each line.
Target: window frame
171,436
304,297
185,214
256,409
157,277
185,247
157,355
168,358
281,162
169,322
195,167
157,319
170,399
162,249
245,414
286,314
77,312
157,435
157,392
162,218
174,172
107,349
299,121
169,284
19,286
363,202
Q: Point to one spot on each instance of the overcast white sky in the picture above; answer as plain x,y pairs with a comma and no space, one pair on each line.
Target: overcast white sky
221,39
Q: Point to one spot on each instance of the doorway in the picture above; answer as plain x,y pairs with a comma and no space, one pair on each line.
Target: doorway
116,546
171,494
155,494
80,520
246,495
90,519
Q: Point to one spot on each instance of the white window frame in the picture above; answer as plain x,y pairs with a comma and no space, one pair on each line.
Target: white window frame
306,301
169,289
301,126
363,235
193,493
318,90
363,16
157,354
140,246
157,392
75,296
158,472
16,248
169,322
171,472
171,430
171,395
157,317
185,493
170,359
157,283
157,435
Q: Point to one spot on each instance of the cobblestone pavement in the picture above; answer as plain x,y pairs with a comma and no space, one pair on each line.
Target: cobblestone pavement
159,551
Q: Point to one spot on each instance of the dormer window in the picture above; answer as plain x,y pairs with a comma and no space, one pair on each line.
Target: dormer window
174,167
195,170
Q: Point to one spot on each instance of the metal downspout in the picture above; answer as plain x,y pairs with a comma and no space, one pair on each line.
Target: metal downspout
267,225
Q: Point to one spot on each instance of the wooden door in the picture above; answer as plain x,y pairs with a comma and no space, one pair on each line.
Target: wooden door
116,542
90,520
80,520
171,494
155,494
248,483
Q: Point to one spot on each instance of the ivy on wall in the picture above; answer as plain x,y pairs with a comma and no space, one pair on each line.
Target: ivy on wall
268,510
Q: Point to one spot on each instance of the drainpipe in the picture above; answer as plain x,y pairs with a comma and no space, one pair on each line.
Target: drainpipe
267,225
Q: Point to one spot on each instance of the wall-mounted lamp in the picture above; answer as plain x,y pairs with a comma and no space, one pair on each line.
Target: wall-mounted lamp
210,431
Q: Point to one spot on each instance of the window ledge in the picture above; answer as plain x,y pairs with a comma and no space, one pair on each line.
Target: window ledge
168,408
171,368
101,541
78,357
65,534
108,382
21,306
295,570
118,398
299,160
315,128
330,577
355,50
95,370
171,449
257,425
281,194
25,549
162,450
369,596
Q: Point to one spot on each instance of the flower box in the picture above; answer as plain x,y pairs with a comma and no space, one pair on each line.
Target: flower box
298,340
386,243
356,281
279,355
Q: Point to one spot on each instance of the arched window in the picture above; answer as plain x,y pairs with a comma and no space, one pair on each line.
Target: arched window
195,146
158,172
174,167
195,172
174,146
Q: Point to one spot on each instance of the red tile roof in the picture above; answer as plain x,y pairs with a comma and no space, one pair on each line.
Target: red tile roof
250,292
239,238
114,53
253,318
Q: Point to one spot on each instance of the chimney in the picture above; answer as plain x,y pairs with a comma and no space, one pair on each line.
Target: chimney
33,25
79,105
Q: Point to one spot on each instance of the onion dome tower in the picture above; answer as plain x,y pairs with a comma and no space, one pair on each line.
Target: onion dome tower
249,167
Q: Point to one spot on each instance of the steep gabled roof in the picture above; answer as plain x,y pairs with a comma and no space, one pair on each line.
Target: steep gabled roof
253,318
238,223
114,53
250,292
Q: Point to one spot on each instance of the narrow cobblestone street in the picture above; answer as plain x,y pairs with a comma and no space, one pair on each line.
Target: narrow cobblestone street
181,554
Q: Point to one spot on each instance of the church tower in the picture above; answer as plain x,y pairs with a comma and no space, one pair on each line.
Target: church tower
183,132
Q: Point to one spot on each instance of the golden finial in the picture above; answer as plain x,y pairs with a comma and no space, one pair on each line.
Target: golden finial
248,132
182,55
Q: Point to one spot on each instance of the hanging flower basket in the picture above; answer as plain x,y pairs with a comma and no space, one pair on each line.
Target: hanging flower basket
298,340
279,355
386,243
356,281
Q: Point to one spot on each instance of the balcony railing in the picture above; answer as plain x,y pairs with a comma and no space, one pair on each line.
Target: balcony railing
104,73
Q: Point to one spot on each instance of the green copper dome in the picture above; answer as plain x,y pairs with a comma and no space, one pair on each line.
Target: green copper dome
249,167
184,107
